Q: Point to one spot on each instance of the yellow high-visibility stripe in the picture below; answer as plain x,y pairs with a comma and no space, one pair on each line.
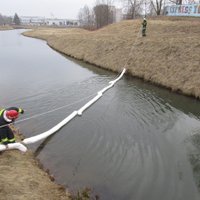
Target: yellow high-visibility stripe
7,140
12,140
1,111
4,140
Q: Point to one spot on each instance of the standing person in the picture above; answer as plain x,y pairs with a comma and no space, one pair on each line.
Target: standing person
8,116
144,27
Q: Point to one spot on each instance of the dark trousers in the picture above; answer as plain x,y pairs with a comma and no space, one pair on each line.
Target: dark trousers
143,31
6,135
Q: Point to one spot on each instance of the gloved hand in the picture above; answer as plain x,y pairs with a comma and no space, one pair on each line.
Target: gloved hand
21,111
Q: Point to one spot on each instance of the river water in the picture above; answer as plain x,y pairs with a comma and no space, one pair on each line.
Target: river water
138,142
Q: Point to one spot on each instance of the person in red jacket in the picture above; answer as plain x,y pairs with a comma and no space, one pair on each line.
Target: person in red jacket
7,117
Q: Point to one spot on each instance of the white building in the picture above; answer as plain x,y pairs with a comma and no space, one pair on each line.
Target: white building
61,22
42,21
26,20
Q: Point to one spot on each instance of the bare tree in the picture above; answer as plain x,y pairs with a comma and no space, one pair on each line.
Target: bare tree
86,17
5,20
180,2
177,2
134,8
1,20
157,6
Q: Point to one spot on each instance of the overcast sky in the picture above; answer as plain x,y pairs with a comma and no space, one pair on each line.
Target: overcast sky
45,8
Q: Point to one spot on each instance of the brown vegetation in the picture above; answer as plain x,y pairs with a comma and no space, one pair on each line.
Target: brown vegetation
168,56
22,177
6,27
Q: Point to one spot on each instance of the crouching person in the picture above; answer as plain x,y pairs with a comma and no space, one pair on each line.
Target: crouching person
7,138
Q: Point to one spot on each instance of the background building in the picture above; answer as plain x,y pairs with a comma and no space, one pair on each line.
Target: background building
42,21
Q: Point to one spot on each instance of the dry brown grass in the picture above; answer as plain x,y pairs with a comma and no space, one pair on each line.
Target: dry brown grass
168,56
2,28
23,178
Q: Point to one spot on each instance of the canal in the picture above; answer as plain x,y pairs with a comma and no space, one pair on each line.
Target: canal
138,142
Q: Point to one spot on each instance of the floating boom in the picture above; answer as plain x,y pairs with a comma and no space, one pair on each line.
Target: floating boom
46,134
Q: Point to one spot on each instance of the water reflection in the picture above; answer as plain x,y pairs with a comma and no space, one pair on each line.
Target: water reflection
188,105
194,154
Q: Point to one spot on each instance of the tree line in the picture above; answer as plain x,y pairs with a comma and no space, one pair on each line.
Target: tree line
4,20
104,12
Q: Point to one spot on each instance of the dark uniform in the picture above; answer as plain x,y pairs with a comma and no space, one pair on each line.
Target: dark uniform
144,27
6,134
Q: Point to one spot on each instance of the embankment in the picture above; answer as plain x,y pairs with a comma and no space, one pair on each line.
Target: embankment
5,28
169,56
23,178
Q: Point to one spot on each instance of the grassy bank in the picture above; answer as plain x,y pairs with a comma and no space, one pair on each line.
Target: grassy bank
168,56
6,27
23,178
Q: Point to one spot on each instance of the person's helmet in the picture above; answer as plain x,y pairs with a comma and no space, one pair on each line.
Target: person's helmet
12,114
144,18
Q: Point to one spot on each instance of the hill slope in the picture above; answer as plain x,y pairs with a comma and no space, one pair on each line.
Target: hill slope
168,56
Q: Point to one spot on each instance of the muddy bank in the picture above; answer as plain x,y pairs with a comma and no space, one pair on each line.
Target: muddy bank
168,56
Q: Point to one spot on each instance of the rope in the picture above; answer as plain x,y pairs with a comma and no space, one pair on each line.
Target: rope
44,113
53,110
78,163
21,147
50,111
133,45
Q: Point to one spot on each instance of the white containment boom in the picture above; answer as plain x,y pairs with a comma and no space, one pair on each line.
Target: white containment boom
16,145
51,131
46,134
